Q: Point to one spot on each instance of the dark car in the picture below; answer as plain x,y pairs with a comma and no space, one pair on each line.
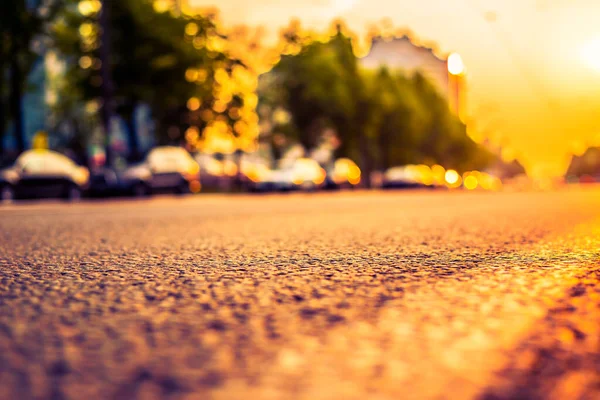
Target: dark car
43,173
165,169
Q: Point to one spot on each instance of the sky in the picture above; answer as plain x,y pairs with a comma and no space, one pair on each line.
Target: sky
533,66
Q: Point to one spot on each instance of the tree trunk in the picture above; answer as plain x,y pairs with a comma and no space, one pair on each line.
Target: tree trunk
78,143
2,112
2,104
361,122
132,139
365,159
107,85
16,100
132,134
2,123
384,146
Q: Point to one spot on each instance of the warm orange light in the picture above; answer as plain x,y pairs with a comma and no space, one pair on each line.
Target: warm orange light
470,182
424,174
89,7
307,170
455,64
191,29
214,167
191,75
438,173
496,184
452,177
346,170
230,168
486,181
320,178
193,103
82,175
193,169
195,186
161,6
86,29
354,175
85,62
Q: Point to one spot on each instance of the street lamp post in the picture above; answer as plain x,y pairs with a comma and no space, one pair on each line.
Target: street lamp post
456,69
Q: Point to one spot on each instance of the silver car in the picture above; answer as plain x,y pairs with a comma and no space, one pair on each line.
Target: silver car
165,169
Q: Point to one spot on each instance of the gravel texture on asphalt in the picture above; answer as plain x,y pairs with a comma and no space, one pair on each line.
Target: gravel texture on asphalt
411,295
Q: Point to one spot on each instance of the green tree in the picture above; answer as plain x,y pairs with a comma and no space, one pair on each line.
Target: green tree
443,137
382,118
157,58
23,30
395,118
321,87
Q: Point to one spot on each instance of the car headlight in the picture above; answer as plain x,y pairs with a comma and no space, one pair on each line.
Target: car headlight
81,176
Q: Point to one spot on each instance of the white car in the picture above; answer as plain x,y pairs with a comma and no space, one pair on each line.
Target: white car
43,173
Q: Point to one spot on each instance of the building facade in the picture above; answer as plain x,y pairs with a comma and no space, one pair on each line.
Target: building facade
401,53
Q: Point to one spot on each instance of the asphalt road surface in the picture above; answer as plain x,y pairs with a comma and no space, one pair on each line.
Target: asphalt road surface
412,295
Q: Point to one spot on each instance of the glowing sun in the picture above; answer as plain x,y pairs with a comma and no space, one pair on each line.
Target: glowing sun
590,53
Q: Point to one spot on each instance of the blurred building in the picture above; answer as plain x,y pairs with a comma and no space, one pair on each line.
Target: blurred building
402,54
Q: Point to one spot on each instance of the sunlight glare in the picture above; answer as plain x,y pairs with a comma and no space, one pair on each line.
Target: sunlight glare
341,6
590,53
455,64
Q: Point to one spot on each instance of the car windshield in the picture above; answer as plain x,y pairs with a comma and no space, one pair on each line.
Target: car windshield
57,163
31,161
44,161
170,159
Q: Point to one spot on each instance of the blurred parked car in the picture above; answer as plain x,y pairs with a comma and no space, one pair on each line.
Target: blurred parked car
213,170
307,174
255,176
278,180
301,174
344,174
401,178
218,172
43,173
165,169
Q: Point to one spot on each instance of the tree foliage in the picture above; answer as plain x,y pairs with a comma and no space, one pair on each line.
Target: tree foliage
382,118
157,58
321,86
200,94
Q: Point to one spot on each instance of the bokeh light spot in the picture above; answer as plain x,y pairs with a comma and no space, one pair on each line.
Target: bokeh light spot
452,177
193,103
470,182
455,64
